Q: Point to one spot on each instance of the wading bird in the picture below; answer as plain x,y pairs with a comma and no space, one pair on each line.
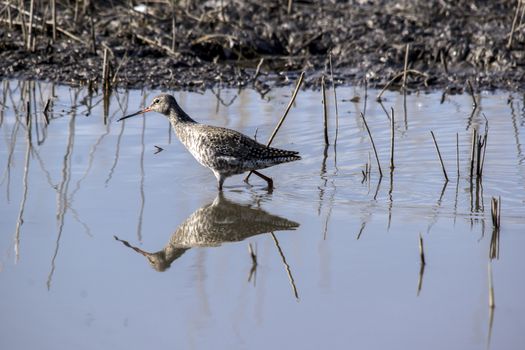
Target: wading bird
224,151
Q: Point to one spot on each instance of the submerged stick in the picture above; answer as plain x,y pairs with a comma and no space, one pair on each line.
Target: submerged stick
439,155
373,144
495,209
297,86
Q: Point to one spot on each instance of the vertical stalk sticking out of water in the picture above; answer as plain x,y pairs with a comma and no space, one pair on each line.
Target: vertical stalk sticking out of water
473,152
325,113
373,145
439,155
281,121
290,5
392,140
405,68
496,212
335,102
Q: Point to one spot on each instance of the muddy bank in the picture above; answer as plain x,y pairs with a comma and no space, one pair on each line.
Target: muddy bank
195,45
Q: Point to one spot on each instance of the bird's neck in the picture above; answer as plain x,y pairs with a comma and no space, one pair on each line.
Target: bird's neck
177,115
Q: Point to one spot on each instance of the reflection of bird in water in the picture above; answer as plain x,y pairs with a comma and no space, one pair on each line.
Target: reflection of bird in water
215,223
224,151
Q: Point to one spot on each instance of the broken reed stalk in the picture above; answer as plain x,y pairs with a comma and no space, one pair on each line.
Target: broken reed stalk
335,101
511,35
492,303
485,136
471,90
278,126
325,113
473,152
439,155
373,145
392,140
54,18
421,251
105,72
495,210
405,68
290,5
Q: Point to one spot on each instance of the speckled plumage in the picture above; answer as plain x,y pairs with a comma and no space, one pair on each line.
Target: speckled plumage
215,223
226,152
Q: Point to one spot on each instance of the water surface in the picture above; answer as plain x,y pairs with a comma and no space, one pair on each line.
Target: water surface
338,262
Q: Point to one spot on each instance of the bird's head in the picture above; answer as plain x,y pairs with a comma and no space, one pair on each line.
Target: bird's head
161,104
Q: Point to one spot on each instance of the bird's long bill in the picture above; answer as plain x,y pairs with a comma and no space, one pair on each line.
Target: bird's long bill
145,110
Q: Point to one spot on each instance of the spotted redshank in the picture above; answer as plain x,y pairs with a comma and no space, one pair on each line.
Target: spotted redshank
224,151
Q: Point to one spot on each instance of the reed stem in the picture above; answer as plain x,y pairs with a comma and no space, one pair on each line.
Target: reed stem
373,145
439,155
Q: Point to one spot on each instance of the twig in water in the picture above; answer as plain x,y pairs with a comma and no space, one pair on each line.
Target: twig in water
253,255
335,101
373,145
325,113
421,251
46,111
496,212
473,152
158,149
404,86
471,90
299,82
288,270
397,76
457,152
439,155
258,69
392,140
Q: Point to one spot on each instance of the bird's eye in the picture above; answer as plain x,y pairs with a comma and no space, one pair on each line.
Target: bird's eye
155,101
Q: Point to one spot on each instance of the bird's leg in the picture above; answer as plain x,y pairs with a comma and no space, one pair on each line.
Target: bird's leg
268,180
220,181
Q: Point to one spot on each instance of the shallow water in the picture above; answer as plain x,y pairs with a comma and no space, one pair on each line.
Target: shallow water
342,267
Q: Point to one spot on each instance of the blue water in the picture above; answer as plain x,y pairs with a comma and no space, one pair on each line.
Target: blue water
351,248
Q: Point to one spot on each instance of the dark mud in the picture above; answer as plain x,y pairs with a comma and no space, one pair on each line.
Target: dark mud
195,45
